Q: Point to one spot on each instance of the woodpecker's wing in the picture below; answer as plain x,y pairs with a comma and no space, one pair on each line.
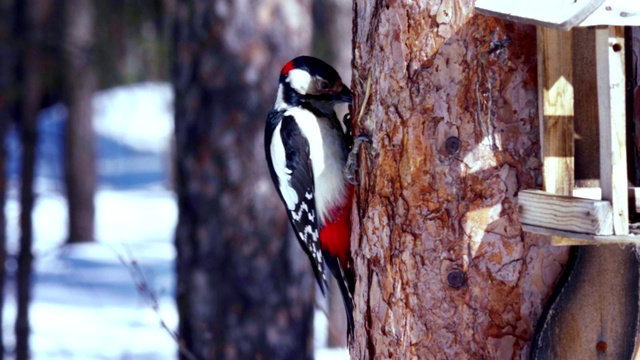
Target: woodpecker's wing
291,170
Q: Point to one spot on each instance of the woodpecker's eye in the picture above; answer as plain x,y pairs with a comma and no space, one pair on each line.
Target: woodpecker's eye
324,85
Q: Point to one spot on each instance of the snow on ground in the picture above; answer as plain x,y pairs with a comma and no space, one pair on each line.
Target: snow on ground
140,115
85,302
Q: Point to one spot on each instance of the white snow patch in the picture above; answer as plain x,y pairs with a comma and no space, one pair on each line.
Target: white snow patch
85,304
139,115
332,354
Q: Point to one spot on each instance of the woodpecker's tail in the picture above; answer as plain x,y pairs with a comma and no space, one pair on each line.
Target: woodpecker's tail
346,284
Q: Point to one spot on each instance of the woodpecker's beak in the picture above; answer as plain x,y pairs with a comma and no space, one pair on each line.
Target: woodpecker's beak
344,96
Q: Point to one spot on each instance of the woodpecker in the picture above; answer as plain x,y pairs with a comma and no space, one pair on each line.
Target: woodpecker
307,146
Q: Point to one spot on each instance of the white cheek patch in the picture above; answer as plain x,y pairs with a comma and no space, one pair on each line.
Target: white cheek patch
299,80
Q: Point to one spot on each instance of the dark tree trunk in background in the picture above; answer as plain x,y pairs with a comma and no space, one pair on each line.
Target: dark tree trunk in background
8,66
443,268
37,76
245,289
81,83
28,74
29,104
4,120
29,137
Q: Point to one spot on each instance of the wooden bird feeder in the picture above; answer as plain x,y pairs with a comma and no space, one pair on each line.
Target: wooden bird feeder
564,14
582,88
581,85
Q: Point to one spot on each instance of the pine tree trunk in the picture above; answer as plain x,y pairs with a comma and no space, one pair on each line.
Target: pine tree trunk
8,82
245,289
37,79
443,267
29,139
27,106
79,153
3,218
4,121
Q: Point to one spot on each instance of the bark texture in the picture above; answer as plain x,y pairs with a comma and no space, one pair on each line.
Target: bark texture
245,288
443,267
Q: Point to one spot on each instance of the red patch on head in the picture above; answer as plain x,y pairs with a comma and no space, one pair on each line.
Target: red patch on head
287,67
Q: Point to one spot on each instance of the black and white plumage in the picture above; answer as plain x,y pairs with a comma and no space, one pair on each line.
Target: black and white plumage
291,170
306,147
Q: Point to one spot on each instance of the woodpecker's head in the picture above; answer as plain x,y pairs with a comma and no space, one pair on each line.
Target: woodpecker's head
308,79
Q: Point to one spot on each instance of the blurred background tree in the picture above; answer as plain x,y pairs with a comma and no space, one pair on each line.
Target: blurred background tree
126,43
228,57
49,52
37,84
245,289
80,83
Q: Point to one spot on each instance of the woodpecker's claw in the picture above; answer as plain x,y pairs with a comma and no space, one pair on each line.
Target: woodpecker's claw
352,159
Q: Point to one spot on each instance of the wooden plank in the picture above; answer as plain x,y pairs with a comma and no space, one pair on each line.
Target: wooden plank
633,80
611,109
567,238
615,12
555,89
570,239
557,14
566,213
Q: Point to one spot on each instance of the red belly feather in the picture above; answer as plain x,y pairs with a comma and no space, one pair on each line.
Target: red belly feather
335,236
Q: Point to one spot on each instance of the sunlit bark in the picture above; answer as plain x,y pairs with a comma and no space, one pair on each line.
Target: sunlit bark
443,266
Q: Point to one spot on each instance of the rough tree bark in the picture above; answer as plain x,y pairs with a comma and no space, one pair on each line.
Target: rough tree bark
245,289
443,267
79,152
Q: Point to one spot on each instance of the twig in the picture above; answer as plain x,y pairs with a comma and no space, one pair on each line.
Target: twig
367,93
151,299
